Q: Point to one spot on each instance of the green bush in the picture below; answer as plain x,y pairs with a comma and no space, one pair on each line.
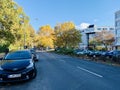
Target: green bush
65,51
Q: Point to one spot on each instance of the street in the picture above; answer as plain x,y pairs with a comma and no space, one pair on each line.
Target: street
61,72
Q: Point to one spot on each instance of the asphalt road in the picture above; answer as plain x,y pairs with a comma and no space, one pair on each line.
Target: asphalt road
59,72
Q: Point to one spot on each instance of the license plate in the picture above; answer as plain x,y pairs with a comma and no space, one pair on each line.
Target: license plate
14,76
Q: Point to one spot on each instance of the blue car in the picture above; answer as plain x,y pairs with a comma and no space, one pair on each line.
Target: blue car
17,66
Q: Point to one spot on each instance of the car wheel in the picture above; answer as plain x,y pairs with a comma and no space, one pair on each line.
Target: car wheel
34,74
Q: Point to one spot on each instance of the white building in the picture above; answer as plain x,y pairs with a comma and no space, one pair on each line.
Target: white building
117,28
90,31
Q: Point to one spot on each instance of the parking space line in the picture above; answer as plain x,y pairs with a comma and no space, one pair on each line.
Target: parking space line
98,75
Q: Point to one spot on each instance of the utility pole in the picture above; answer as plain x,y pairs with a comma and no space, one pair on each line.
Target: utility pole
24,34
24,38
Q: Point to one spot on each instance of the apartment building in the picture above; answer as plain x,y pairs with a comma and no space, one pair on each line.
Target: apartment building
117,29
90,31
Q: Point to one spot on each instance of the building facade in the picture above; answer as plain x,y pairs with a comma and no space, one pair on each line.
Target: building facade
90,31
117,29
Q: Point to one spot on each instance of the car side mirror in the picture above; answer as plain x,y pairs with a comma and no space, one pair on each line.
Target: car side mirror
35,58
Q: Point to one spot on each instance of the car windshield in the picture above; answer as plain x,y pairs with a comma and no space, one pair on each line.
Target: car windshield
18,55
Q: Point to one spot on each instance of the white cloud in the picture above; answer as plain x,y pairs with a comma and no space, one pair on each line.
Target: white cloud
82,26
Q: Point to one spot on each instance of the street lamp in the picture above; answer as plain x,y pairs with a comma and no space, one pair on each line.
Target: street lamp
24,39
22,23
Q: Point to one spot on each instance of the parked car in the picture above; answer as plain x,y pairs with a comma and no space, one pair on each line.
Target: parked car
78,51
91,53
108,54
98,53
116,56
17,66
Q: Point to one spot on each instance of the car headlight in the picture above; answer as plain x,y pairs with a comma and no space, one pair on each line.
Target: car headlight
30,65
1,68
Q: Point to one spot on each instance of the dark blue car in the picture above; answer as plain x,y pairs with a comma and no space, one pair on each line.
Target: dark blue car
17,66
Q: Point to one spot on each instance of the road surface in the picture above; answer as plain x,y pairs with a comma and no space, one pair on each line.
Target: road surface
60,72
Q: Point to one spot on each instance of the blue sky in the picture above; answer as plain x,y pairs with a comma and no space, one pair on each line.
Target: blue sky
43,12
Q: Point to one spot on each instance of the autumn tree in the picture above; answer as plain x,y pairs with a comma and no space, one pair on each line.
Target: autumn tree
46,36
66,35
103,38
12,22
29,36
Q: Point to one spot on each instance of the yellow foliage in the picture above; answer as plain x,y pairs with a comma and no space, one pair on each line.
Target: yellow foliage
46,36
66,35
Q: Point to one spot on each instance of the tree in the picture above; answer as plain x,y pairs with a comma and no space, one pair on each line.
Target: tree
29,36
103,38
46,36
12,22
66,35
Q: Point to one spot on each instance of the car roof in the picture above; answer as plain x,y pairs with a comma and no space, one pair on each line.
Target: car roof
20,51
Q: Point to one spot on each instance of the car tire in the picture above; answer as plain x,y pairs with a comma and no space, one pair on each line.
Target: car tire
34,74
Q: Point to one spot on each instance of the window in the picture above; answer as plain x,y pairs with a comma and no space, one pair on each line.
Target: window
117,23
111,28
117,15
98,28
18,55
104,28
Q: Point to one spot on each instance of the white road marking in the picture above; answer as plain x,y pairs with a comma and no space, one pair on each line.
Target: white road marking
90,72
62,61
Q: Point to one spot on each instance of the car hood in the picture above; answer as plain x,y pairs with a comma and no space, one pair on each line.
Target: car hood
14,65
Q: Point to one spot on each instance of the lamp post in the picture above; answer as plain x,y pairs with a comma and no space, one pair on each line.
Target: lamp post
24,37
0,25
